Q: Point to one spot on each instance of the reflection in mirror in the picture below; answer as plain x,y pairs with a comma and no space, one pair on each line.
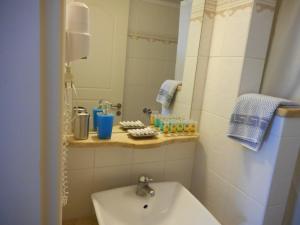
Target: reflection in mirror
134,47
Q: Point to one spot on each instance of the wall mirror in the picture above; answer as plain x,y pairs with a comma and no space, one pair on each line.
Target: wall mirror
135,45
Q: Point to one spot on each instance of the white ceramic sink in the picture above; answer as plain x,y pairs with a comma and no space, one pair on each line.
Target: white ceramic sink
171,205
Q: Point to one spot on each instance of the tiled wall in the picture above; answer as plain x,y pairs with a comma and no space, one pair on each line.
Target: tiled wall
184,23
225,173
151,54
284,52
183,100
95,169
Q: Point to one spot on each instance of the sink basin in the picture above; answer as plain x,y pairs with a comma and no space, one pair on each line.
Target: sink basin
172,204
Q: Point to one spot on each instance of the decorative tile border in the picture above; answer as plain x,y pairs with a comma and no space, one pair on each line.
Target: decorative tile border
197,10
164,3
260,7
230,7
152,38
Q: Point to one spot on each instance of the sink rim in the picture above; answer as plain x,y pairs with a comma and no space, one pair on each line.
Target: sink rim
192,200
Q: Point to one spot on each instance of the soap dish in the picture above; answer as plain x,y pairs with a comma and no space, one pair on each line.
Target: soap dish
132,124
143,133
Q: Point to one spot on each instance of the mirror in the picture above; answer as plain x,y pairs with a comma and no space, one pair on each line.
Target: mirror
135,45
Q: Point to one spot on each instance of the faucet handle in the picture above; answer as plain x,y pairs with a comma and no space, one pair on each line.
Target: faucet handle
145,179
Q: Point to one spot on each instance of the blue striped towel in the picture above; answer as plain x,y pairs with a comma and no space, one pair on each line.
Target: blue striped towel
251,117
167,92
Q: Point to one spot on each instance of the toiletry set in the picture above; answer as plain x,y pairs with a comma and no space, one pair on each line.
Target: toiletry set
102,121
172,124
169,125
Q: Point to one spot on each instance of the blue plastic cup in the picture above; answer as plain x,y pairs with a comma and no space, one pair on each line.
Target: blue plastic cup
104,125
95,117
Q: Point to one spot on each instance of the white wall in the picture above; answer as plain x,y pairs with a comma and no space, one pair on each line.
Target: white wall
183,99
101,75
110,167
225,174
151,54
282,74
20,113
184,22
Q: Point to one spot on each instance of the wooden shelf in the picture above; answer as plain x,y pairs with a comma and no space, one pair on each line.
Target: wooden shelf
288,112
124,140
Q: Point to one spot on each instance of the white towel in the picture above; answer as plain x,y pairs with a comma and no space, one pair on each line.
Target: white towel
167,92
251,118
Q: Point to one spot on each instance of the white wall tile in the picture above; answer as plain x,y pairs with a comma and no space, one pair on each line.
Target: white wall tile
180,151
218,34
183,99
274,215
251,76
154,170
195,114
228,172
80,190
241,209
148,155
259,34
215,194
80,158
286,127
206,35
180,171
109,156
248,169
114,167
199,83
237,24
198,177
283,171
111,177
194,38
222,84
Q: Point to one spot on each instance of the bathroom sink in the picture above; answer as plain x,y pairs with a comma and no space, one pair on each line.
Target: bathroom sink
172,204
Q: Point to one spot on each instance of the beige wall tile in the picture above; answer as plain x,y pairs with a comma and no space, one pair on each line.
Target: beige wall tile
223,79
251,76
193,38
259,34
80,184
180,171
180,151
111,156
111,177
80,159
283,172
274,215
148,155
241,209
155,170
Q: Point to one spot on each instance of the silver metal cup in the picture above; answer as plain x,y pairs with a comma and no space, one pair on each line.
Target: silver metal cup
81,126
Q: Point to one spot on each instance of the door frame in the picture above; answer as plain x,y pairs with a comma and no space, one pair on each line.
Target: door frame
52,42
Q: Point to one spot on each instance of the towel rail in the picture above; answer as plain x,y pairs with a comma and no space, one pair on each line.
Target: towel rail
288,112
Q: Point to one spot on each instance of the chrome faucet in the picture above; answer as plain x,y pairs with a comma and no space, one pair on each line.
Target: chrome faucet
143,188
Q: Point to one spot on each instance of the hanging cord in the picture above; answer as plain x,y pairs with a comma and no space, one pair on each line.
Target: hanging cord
67,121
66,131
